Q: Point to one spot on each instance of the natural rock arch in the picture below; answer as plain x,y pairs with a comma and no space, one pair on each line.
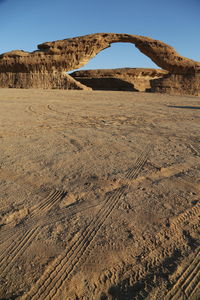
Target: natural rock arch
47,66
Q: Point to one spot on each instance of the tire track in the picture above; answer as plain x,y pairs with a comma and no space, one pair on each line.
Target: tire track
37,210
17,239
18,248
20,241
30,109
61,270
71,260
172,170
194,150
48,203
185,216
132,173
46,220
36,112
187,284
195,293
166,249
49,107
8,248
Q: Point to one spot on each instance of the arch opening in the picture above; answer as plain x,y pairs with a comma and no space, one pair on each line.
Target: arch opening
119,55
120,67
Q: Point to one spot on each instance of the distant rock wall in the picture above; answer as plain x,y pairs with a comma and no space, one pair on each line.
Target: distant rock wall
121,79
46,67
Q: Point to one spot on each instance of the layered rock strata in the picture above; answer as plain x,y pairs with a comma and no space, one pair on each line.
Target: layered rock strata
44,80
176,84
46,67
121,79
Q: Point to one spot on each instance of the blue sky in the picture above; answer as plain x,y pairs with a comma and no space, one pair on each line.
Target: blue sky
26,23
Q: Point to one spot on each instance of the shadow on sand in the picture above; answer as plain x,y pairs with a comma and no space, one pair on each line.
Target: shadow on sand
186,107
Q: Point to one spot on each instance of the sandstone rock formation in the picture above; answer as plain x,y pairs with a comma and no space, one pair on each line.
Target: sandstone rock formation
177,85
47,66
44,80
121,79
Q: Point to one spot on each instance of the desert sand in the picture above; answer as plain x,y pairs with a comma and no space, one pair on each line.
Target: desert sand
99,195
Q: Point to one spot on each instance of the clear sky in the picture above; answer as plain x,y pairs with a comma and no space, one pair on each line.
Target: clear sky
26,23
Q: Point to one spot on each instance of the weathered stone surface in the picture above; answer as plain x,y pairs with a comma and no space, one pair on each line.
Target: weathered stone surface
70,54
128,79
176,84
44,80
41,67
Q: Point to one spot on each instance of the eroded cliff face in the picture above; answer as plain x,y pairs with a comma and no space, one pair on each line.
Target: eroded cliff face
46,66
176,84
43,80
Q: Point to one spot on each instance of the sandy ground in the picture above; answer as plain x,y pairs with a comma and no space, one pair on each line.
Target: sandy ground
99,195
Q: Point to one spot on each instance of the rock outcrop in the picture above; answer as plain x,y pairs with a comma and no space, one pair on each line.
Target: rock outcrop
176,84
43,80
47,66
121,79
